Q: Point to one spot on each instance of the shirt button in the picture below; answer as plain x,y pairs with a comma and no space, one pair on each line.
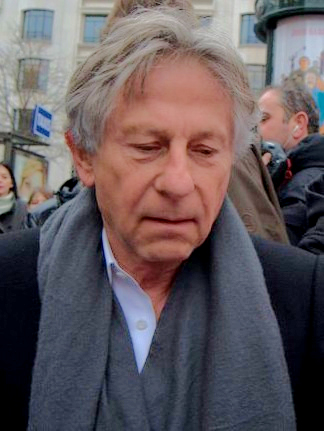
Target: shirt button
141,325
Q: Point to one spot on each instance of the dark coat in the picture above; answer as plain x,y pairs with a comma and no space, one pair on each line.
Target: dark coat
295,281
307,163
313,238
15,218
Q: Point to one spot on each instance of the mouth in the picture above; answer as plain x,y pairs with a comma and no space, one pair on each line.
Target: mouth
169,221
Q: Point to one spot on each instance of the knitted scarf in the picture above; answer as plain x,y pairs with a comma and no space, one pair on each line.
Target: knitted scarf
6,203
240,377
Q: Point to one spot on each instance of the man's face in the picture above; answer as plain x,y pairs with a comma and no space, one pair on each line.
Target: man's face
304,63
162,172
273,126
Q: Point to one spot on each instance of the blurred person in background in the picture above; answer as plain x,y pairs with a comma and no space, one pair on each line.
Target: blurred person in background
12,210
290,118
32,176
39,195
40,213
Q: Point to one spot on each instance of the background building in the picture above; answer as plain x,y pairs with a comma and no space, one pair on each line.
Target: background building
42,41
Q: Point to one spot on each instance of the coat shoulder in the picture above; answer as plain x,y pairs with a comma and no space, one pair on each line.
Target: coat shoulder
18,255
295,280
19,311
291,274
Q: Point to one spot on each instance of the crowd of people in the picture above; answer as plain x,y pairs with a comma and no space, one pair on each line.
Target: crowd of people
163,290
16,214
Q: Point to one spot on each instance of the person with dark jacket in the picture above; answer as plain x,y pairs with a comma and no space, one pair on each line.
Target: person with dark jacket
294,279
155,312
290,118
307,164
313,238
12,210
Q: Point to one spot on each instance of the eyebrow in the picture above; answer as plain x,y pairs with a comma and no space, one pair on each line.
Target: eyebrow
165,134
143,130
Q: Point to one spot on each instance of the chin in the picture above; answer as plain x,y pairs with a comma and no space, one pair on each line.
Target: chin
172,253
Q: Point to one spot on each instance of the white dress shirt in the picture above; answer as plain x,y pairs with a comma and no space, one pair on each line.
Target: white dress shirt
135,303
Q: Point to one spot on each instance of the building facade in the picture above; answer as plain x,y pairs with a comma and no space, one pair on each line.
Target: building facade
41,42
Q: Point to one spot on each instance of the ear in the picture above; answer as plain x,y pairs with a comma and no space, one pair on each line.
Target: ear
83,162
300,125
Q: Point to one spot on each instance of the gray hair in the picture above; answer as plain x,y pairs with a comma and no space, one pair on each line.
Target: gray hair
132,47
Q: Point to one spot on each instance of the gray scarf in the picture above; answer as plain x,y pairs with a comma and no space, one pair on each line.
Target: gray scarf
243,383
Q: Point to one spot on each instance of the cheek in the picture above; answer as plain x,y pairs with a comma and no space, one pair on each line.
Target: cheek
117,194
216,192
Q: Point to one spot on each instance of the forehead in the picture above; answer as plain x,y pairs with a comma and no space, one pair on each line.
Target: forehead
192,78
270,101
4,170
176,94
168,69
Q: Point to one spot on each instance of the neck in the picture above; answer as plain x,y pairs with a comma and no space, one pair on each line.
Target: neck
153,276
292,143
155,279
6,203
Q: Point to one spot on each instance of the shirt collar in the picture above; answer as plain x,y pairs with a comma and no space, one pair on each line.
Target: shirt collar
110,258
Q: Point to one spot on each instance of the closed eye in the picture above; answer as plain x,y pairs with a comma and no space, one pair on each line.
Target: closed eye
146,151
264,118
146,148
204,150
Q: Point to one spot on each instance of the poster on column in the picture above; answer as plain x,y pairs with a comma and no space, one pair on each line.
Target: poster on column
299,55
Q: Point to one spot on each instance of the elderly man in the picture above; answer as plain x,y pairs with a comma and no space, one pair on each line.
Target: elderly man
154,307
290,118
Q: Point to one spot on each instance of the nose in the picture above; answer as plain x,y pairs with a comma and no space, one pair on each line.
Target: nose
175,179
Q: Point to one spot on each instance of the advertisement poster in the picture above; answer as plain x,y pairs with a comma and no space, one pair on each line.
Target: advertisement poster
30,172
299,54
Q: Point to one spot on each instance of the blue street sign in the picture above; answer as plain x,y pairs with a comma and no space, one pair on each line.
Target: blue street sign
42,122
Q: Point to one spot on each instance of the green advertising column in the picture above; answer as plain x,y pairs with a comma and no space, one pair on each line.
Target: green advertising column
294,33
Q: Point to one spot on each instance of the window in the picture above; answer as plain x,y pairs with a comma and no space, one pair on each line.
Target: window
247,30
92,27
23,120
33,74
38,24
256,75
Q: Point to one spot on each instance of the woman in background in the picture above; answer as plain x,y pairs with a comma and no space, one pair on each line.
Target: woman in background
38,196
12,210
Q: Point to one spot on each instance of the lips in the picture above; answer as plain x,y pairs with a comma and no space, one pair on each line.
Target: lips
169,221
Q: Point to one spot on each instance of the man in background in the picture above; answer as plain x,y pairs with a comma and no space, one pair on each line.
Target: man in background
290,118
